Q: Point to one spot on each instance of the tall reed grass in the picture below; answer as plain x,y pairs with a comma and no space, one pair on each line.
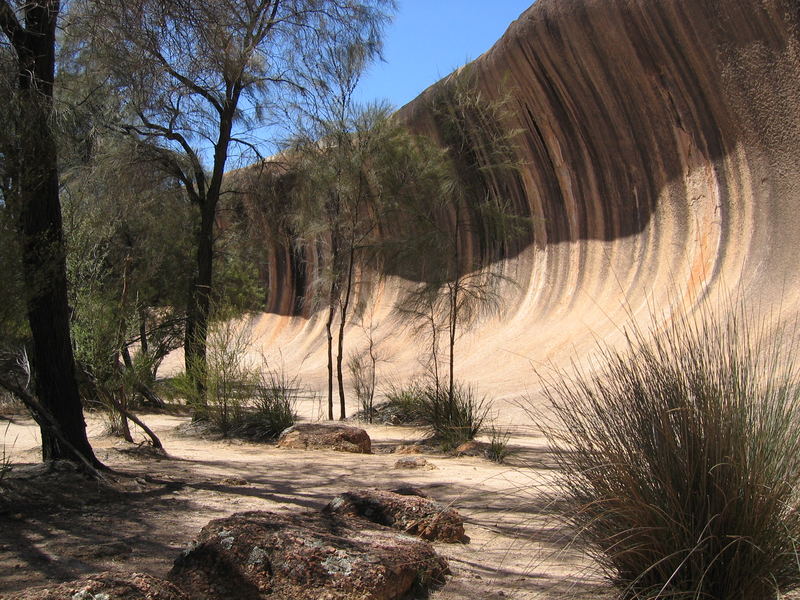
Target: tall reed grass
681,459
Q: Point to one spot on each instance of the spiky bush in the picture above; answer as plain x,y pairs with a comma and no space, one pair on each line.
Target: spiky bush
273,407
402,403
498,449
452,418
681,460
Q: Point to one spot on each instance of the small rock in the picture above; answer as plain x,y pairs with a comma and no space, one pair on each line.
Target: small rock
470,448
411,514
413,462
313,436
409,490
235,481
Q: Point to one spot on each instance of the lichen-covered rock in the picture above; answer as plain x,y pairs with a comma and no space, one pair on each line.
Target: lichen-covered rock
412,514
323,436
307,556
107,586
413,462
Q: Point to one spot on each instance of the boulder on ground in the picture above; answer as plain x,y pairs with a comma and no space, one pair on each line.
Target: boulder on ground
306,556
413,462
107,586
323,436
411,514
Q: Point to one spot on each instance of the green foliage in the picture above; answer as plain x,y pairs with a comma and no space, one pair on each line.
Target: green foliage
681,459
229,378
241,398
458,235
13,322
453,418
273,407
354,172
403,403
128,238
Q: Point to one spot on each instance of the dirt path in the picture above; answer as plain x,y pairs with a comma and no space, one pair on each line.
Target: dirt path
61,527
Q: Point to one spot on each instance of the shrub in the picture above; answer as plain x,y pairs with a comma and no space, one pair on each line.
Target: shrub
273,408
403,404
498,449
229,378
453,419
362,372
681,460
5,456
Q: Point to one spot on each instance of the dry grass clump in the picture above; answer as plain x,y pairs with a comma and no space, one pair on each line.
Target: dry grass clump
681,460
452,419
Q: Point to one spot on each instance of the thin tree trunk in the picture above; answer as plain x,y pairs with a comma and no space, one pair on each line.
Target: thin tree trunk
122,398
329,334
435,348
374,361
454,290
40,228
332,297
345,305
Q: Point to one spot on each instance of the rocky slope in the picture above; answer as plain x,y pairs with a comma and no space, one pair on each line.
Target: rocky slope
660,142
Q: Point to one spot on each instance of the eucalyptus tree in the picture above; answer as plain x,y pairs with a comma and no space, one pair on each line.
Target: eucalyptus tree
198,79
31,193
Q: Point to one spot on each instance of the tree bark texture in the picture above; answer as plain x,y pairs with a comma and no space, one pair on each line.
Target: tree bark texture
39,223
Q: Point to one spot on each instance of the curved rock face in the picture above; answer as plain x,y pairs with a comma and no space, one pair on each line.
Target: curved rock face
660,142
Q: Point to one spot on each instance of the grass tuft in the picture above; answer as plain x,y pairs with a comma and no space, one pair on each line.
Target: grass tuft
498,449
452,419
681,460
273,408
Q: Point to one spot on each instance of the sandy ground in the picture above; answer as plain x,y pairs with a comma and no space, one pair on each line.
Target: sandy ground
61,527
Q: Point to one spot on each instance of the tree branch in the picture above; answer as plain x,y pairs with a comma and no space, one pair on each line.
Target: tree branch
197,89
172,135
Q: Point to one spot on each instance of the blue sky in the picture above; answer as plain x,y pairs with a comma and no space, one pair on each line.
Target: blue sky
429,39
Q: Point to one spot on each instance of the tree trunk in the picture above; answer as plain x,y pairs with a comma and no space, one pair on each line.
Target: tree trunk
199,311
143,346
452,338
40,228
328,324
200,302
348,290
332,297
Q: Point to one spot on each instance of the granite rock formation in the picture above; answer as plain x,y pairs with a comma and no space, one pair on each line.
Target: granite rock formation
660,144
